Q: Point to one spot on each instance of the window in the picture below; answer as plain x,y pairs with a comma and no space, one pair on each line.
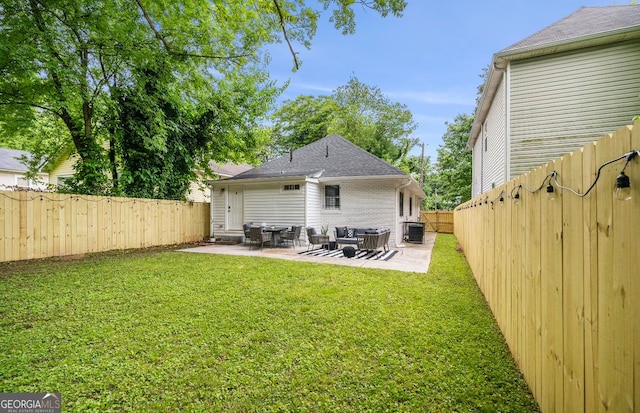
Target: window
410,206
332,197
401,203
292,187
486,135
23,181
62,179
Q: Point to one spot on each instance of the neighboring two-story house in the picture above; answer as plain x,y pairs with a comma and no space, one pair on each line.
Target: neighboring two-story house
555,91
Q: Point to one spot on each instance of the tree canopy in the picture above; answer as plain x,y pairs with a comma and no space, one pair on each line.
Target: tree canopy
450,181
151,83
357,112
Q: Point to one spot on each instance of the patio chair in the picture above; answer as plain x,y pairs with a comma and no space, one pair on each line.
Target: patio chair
291,236
245,228
387,235
258,237
315,238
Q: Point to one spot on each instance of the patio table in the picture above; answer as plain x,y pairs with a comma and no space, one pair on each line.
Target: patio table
275,233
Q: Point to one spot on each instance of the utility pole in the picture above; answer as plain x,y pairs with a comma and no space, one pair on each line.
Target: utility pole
422,168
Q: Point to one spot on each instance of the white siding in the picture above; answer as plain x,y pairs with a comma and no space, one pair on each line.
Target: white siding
476,164
271,204
561,102
64,169
9,179
494,162
313,207
263,203
489,151
218,211
366,204
198,191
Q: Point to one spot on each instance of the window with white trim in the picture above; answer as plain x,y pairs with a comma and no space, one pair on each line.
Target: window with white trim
292,187
22,181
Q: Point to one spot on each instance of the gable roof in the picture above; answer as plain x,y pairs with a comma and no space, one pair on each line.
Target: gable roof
329,157
10,160
586,27
587,23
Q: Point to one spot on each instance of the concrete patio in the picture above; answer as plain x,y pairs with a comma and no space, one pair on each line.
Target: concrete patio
410,257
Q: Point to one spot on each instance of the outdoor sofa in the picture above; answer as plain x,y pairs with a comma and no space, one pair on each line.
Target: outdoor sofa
363,238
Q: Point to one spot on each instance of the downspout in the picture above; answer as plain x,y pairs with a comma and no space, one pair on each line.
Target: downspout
507,123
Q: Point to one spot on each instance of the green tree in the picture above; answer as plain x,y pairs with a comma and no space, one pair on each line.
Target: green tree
301,121
72,59
357,112
450,182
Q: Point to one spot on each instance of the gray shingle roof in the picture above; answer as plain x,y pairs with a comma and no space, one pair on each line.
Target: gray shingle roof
585,22
10,160
328,157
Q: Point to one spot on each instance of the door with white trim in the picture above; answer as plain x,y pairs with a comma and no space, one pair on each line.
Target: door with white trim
235,208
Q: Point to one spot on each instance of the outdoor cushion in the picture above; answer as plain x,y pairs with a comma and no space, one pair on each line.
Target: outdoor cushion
340,232
351,232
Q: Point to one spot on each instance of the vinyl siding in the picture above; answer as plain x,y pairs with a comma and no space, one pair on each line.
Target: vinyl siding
489,166
198,191
561,102
218,208
494,162
64,169
313,207
270,204
477,168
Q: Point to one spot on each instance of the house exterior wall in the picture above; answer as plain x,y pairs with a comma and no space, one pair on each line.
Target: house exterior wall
269,203
476,168
558,103
490,149
313,202
366,203
13,178
218,211
63,170
198,191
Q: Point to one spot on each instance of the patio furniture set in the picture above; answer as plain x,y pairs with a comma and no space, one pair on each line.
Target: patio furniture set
370,239
273,235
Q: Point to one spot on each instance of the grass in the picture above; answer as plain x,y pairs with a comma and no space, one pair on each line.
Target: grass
169,331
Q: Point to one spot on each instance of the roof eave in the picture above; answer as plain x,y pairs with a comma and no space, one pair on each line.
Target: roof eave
501,60
233,181
595,39
494,77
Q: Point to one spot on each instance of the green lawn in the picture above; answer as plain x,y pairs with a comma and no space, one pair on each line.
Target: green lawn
169,331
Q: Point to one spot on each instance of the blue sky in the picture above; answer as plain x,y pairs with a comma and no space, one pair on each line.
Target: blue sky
430,59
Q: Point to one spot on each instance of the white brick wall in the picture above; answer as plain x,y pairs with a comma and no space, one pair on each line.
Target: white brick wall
366,204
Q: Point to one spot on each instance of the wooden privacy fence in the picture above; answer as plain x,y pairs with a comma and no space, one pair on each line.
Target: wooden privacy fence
561,277
40,225
437,221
